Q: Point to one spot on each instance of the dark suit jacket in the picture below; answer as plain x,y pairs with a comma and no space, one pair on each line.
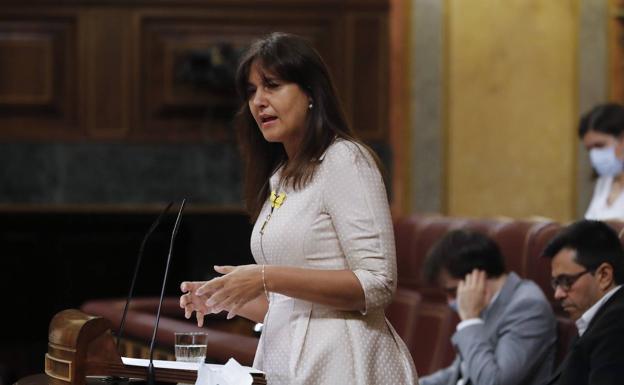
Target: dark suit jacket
597,357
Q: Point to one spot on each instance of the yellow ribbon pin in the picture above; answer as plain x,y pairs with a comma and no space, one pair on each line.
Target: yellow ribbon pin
277,199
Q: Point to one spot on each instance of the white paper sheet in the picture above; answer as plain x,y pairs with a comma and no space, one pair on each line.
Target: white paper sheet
232,373
181,365
235,374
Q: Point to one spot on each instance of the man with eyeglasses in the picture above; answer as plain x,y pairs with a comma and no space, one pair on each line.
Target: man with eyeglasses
507,331
587,262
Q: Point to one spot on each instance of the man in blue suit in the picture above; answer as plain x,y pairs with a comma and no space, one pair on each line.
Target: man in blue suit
587,263
507,331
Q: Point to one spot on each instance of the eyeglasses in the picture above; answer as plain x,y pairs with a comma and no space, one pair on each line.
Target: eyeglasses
565,281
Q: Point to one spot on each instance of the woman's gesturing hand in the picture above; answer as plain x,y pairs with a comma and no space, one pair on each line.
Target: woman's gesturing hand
237,286
191,302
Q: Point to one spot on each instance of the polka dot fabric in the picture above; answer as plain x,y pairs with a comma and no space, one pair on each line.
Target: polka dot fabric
340,220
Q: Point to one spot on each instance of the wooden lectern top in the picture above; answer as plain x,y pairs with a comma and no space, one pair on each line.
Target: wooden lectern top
80,345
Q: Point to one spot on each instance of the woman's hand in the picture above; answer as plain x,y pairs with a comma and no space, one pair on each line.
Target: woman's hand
191,302
238,286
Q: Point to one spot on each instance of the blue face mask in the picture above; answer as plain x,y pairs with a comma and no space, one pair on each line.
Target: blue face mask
453,305
605,162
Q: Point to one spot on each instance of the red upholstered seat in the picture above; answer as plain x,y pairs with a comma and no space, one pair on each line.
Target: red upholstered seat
513,236
415,235
433,329
403,314
538,267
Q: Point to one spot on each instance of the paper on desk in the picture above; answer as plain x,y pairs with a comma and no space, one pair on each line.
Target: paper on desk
232,373
160,363
177,364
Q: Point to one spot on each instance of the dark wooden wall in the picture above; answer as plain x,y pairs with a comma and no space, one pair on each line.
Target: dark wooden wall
115,70
96,97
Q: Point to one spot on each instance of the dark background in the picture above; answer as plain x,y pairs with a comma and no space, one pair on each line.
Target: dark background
55,261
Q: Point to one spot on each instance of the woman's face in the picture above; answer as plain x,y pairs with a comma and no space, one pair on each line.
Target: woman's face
278,107
596,139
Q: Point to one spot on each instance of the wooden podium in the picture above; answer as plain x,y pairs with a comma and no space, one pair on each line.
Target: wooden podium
80,345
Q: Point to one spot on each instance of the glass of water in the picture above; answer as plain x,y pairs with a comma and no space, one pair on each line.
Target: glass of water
191,346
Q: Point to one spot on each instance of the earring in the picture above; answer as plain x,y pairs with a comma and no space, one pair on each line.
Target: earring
310,106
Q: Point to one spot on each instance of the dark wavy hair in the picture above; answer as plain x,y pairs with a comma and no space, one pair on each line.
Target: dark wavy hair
459,252
607,118
292,59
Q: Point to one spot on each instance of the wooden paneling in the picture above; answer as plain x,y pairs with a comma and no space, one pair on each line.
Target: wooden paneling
106,72
29,84
369,76
162,70
37,76
189,63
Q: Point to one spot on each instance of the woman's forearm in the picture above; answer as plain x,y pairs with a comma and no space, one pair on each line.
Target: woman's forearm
340,289
242,289
254,310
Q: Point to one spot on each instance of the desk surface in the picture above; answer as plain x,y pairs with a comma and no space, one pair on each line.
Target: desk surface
43,379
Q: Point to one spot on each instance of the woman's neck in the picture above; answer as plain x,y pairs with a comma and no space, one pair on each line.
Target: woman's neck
291,146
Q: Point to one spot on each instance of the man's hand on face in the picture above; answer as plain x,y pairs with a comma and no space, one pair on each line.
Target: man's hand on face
471,295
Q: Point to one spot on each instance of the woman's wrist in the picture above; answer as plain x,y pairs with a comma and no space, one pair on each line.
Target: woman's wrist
264,282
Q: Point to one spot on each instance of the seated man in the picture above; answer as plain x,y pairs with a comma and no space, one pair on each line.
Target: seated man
507,331
588,271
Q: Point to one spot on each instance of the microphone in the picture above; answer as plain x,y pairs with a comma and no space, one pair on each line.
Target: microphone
114,379
150,369
136,271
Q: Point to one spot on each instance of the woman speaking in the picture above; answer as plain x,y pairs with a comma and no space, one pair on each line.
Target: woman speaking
323,238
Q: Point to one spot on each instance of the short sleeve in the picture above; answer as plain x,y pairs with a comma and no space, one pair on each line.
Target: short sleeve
355,197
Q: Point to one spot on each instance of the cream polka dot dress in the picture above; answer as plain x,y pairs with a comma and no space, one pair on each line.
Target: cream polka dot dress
340,220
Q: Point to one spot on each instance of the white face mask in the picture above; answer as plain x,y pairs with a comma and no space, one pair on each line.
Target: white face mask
453,305
605,162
